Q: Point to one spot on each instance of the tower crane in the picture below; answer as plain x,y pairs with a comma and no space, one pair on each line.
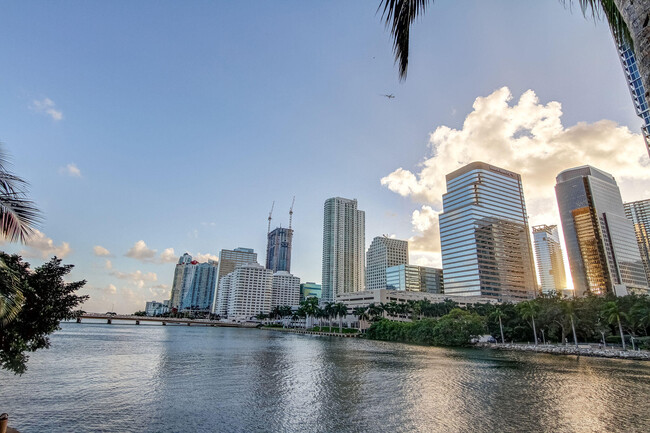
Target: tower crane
291,211
270,213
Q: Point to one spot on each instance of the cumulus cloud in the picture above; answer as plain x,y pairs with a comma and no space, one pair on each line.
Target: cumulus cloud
168,256
527,137
100,251
46,106
124,300
140,251
41,247
137,278
70,170
202,258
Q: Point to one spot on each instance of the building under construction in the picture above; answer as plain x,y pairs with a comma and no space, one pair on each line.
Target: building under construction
278,249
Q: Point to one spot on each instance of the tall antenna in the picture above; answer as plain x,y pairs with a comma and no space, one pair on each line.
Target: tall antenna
291,211
270,213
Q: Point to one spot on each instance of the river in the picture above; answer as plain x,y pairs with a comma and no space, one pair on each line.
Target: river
152,378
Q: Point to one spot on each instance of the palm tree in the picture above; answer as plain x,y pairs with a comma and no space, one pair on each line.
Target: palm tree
361,313
374,310
499,314
627,19
569,309
341,311
18,218
329,310
612,314
528,310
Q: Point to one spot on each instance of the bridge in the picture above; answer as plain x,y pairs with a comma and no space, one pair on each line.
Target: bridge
164,320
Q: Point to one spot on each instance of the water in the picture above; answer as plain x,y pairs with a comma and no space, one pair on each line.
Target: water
152,378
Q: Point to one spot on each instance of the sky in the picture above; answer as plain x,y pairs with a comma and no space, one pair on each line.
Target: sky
149,129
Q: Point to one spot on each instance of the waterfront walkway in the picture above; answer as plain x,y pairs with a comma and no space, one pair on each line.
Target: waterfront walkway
306,331
581,350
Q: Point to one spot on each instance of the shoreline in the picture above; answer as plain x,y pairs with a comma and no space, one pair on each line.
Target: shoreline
635,355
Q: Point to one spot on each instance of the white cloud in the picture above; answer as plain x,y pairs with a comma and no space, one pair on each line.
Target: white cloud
122,300
100,251
108,264
528,138
137,278
42,247
168,256
70,170
140,251
46,106
202,258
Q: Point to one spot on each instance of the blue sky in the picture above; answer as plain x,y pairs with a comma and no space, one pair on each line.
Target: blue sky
186,120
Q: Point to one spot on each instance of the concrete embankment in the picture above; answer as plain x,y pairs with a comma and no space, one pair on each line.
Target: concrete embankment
304,331
571,350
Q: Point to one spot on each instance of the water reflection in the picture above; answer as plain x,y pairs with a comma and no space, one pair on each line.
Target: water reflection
178,378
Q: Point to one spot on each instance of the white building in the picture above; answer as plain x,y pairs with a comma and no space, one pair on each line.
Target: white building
383,253
228,261
155,308
344,246
286,289
247,291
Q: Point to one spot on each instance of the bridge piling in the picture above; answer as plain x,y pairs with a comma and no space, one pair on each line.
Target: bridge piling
137,322
109,321
78,319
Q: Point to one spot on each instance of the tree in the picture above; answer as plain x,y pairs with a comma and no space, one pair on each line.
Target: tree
499,315
341,311
457,328
628,20
612,314
362,315
528,310
48,301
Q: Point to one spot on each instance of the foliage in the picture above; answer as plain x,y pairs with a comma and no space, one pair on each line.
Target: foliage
48,301
140,313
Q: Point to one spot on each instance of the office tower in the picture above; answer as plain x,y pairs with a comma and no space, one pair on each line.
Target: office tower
223,296
637,91
486,249
414,278
278,250
310,290
383,253
639,213
600,241
286,290
550,264
344,248
194,284
249,291
228,260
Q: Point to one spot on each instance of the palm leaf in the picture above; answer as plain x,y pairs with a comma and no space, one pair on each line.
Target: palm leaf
11,297
598,8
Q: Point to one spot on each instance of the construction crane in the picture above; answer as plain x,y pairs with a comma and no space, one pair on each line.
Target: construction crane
270,213
291,211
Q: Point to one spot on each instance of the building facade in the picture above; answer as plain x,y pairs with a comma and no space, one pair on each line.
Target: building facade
245,292
310,290
639,213
228,261
278,250
550,263
344,248
383,253
601,244
414,278
631,70
194,284
286,290
155,308
484,235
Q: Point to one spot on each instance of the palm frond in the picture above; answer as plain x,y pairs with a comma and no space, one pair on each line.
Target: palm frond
398,15
18,215
607,8
11,297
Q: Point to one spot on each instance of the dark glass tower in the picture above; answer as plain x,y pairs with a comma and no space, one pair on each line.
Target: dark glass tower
278,250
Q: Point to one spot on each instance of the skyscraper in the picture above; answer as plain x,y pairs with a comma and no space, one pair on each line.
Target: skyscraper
245,292
228,260
278,250
412,278
343,248
383,253
550,264
286,289
194,284
601,245
639,213
486,249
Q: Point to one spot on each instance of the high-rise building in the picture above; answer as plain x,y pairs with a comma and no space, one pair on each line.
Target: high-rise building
484,235
228,260
249,291
383,253
194,284
414,278
278,250
639,213
344,248
286,289
550,264
631,69
310,290
600,241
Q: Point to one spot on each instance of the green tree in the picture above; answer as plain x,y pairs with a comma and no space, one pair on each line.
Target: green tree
528,310
48,300
341,311
498,314
612,314
362,315
458,328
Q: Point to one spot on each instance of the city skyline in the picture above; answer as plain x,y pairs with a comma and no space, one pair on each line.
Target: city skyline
202,124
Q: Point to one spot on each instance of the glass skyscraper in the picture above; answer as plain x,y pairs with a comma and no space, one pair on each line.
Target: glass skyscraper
550,264
637,91
412,278
344,246
484,235
601,245
639,213
383,253
278,250
194,284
